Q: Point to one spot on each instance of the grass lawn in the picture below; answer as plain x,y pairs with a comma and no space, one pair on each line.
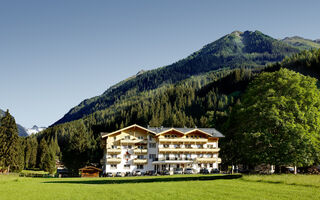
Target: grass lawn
163,187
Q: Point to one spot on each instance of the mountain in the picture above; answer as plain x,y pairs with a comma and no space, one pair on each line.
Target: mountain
302,43
236,50
21,130
35,129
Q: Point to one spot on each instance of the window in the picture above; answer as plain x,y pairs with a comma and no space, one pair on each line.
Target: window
199,165
127,166
188,146
113,146
140,147
139,166
127,137
129,147
114,138
177,146
152,156
140,156
140,137
211,165
152,145
166,146
199,146
114,156
113,166
150,137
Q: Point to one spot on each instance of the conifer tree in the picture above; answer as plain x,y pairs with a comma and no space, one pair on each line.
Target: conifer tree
46,157
10,144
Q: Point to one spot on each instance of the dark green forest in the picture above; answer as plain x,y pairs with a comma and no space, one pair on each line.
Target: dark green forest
202,90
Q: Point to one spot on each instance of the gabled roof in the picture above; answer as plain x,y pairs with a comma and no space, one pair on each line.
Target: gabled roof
209,131
103,135
160,130
89,167
168,130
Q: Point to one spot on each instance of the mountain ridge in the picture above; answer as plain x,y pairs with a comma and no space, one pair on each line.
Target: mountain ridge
302,43
234,50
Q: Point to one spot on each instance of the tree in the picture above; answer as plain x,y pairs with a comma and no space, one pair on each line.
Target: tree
33,152
77,149
46,157
277,122
10,144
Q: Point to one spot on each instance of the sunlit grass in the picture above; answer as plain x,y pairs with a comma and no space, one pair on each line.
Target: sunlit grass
169,187
288,179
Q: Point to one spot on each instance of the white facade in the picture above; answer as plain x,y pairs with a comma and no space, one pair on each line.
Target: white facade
136,148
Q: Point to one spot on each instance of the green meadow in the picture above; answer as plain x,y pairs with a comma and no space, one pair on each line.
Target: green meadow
162,187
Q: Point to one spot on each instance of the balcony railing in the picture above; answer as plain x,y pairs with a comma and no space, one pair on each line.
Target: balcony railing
208,160
113,160
140,151
134,141
188,140
191,150
198,160
140,161
113,151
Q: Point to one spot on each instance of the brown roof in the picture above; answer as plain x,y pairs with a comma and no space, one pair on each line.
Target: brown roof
90,167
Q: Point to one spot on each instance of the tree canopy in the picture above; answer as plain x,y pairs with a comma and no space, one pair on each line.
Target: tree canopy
277,121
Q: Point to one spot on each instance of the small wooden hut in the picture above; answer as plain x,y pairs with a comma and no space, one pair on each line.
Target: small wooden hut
90,171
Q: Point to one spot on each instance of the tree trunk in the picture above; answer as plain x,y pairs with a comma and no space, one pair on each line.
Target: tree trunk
295,169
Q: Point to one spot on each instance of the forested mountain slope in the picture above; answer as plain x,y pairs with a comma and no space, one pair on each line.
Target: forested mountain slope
204,100
238,49
302,43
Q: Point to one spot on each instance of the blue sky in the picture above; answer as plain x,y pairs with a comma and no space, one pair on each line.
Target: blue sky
54,54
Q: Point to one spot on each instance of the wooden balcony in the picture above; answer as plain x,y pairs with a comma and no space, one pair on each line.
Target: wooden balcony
113,160
134,141
189,150
140,151
183,140
113,151
140,161
208,160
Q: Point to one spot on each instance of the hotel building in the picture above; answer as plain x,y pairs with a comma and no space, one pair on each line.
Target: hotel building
136,148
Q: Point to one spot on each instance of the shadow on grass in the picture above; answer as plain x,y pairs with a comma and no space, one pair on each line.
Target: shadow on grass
281,182
148,180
